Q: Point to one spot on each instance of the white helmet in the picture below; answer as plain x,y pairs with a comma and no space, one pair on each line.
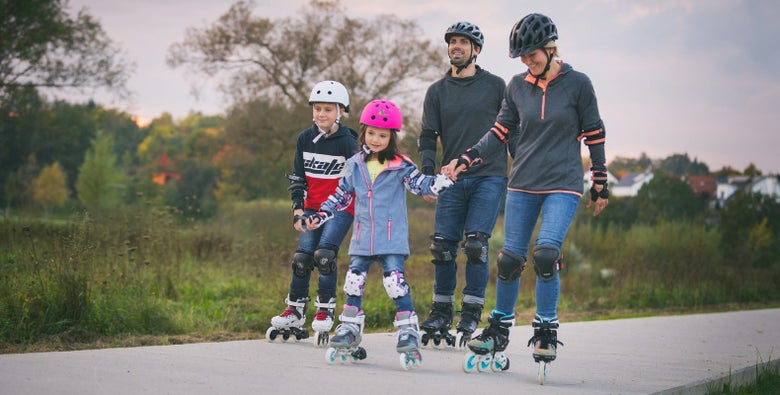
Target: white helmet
330,92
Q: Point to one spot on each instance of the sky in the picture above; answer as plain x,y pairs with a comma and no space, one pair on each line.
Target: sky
695,77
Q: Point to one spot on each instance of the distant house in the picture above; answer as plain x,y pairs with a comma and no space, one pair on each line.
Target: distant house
704,186
631,184
767,185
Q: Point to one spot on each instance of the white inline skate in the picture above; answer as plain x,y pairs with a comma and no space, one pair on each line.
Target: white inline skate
323,320
345,344
408,345
290,322
486,351
545,343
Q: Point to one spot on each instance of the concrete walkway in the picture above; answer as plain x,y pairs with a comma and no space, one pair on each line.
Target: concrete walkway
670,355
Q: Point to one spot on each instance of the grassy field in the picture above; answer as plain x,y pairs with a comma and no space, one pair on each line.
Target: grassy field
145,276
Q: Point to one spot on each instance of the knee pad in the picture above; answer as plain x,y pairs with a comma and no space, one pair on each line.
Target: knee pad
547,261
353,285
476,247
510,266
326,260
444,251
302,264
395,286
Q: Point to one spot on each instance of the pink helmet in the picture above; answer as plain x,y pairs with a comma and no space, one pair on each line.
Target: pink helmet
382,114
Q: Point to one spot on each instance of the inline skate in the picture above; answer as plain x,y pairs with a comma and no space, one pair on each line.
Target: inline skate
345,344
470,315
323,320
486,351
290,322
408,345
437,327
545,343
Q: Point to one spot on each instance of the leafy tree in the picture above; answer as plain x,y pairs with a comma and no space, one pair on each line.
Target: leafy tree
9,192
681,164
726,171
752,170
749,228
42,46
667,198
50,187
99,179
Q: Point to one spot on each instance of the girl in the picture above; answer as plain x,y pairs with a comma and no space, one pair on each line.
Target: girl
378,178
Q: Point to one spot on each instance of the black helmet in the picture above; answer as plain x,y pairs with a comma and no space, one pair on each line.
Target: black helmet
467,29
530,33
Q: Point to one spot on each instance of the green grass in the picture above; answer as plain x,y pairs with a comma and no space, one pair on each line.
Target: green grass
142,275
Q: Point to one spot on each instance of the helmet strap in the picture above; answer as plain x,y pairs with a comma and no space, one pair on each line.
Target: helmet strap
546,69
326,133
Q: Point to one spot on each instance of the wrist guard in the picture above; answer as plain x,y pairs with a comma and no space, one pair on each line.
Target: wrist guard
595,195
470,158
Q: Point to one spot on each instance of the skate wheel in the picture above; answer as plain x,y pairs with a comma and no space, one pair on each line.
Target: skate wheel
541,373
359,354
425,338
404,359
322,339
470,362
330,355
461,339
270,334
437,341
285,336
500,363
344,358
483,365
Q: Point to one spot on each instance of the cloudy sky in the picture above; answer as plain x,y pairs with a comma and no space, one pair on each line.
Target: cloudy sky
672,76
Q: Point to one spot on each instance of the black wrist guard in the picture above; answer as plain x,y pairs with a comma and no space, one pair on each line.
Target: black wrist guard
595,195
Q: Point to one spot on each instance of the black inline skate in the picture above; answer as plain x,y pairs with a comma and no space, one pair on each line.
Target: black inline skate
437,327
470,316
545,343
486,351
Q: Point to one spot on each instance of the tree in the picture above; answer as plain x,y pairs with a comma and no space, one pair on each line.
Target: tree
99,179
50,187
42,46
281,60
667,198
749,228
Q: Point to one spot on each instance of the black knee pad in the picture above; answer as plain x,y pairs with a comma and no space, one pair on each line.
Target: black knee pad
302,264
510,266
444,251
326,260
547,261
476,247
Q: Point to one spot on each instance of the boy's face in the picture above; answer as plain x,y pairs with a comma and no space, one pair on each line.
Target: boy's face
377,139
325,114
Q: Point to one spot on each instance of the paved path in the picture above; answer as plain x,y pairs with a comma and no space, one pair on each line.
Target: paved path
670,354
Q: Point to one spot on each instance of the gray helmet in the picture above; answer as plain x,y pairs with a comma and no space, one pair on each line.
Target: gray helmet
467,29
531,33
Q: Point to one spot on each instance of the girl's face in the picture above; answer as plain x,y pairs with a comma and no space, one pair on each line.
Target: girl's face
377,139
325,114
536,61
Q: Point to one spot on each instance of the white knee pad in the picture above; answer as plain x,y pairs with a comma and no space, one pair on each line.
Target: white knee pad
395,285
353,285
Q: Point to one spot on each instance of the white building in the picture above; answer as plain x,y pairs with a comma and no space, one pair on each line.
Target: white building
631,184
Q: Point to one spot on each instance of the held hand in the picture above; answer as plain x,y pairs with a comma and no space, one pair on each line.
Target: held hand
317,219
452,169
441,183
599,197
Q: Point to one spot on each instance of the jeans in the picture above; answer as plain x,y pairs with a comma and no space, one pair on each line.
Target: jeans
470,205
390,263
520,217
328,236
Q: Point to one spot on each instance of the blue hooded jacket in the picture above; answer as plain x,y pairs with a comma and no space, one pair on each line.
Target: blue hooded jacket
381,224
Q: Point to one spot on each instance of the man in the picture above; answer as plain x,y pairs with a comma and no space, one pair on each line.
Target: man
457,110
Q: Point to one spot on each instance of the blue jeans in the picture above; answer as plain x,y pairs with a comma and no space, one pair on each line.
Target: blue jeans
520,217
470,205
328,236
390,263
